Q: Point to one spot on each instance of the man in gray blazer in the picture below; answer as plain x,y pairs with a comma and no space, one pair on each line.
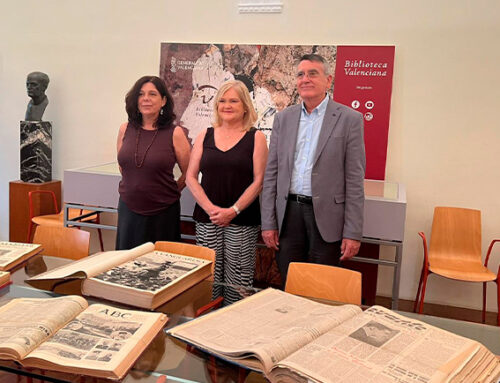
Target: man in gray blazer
313,194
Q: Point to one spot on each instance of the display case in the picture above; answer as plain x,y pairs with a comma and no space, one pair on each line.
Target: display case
93,185
385,210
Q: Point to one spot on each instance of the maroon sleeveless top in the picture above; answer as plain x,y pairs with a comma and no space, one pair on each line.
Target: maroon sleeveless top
226,175
151,188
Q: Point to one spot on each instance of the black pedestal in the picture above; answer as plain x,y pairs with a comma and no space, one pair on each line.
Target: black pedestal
36,151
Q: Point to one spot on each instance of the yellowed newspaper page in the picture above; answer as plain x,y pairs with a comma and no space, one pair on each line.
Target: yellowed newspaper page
381,346
100,338
270,324
96,263
25,323
10,251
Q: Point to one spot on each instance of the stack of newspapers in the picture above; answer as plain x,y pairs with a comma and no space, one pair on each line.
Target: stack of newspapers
293,339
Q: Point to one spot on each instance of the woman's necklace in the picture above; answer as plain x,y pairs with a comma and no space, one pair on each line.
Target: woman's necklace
139,164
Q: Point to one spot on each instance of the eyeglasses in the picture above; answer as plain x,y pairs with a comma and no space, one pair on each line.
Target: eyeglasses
312,74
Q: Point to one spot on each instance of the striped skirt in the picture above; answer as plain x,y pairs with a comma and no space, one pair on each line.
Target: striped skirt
235,249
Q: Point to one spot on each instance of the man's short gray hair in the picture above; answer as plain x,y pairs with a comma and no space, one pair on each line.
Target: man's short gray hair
316,58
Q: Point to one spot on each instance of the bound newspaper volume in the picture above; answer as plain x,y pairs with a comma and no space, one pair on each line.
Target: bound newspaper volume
14,253
140,277
4,278
68,335
293,339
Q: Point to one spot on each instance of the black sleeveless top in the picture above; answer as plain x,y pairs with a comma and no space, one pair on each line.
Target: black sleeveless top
226,175
151,188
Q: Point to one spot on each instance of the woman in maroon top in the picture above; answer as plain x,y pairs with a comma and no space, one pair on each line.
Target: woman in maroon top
149,145
231,157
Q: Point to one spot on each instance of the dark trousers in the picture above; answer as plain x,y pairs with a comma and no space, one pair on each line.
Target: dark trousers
135,229
300,240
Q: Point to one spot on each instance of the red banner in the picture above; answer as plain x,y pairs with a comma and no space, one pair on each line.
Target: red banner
363,81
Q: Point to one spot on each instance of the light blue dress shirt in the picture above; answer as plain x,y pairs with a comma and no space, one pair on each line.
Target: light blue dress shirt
305,148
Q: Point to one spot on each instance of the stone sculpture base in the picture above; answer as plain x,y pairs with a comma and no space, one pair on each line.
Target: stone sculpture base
36,151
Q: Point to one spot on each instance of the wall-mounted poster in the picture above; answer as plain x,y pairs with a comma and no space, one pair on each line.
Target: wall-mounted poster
363,81
194,72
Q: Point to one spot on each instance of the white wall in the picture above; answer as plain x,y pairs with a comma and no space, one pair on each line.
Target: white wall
444,133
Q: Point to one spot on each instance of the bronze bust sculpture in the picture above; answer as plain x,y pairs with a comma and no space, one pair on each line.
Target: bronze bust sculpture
36,84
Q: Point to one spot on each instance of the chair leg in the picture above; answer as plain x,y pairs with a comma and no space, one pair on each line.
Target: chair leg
213,371
498,302
483,316
99,232
418,290
242,374
30,232
424,285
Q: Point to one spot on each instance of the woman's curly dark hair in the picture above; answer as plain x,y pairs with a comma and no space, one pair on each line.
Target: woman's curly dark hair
166,119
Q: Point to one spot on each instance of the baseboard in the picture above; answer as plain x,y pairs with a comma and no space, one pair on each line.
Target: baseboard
442,311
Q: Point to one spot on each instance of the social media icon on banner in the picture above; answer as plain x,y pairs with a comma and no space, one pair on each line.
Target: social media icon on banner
368,116
369,104
355,104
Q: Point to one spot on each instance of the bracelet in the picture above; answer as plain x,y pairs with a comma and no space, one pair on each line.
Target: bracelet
235,208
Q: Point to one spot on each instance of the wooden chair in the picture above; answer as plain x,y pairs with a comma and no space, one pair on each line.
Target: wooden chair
189,250
325,282
455,252
57,218
63,242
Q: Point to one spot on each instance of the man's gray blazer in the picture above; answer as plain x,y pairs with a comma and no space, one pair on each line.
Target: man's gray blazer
337,175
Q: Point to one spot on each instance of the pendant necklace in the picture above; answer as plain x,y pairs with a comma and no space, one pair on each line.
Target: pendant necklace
139,164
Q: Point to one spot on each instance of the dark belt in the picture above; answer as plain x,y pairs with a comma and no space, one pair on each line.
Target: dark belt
300,198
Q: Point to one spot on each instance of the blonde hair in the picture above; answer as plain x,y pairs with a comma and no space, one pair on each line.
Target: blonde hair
250,116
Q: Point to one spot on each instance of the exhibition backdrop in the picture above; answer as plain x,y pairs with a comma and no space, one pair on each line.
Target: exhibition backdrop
362,81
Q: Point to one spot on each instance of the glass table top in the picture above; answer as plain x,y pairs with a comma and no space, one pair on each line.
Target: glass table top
109,168
169,357
112,169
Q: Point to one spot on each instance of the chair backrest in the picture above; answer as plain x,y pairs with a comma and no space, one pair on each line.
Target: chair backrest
187,249
62,242
42,202
325,282
456,233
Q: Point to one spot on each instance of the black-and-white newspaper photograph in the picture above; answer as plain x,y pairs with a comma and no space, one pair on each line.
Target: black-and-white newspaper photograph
96,336
151,272
374,333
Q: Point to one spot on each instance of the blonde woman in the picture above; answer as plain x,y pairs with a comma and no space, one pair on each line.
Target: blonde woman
231,157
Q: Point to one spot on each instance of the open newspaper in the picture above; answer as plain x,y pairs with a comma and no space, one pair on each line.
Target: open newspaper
293,339
67,335
140,277
14,253
4,278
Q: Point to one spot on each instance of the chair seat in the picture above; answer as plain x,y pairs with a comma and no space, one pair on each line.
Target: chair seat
57,219
464,271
